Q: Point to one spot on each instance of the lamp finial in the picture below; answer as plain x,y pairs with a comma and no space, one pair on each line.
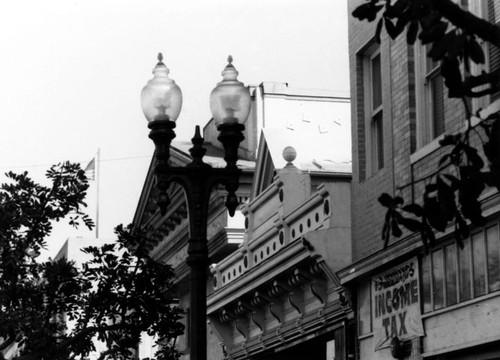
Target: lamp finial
160,57
289,154
230,59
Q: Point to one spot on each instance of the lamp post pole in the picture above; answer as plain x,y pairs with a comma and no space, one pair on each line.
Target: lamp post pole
230,106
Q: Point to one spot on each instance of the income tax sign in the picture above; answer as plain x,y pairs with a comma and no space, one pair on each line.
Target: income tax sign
396,304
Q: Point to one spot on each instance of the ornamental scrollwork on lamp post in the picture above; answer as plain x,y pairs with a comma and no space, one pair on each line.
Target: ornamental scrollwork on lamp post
161,101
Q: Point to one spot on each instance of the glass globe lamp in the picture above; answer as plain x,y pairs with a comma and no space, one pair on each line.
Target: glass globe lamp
230,99
161,98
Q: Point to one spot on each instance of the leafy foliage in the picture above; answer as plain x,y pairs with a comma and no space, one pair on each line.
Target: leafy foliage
117,295
453,35
452,193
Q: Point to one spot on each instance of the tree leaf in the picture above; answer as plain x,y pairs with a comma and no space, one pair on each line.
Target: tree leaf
378,31
439,47
391,28
434,214
450,139
401,24
386,200
456,44
396,230
471,181
450,70
471,187
446,199
397,9
430,188
475,50
386,229
411,33
454,182
461,230
473,157
429,233
492,152
444,158
433,33
411,224
415,209
367,11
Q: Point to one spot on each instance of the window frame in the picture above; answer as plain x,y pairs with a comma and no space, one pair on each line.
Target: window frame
364,309
485,13
480,8
374,116
425,98
428,277
426,133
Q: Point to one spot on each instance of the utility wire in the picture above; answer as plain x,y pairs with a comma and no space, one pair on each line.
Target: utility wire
81,162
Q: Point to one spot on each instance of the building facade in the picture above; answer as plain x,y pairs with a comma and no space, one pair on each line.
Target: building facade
440,304
275,107
277,296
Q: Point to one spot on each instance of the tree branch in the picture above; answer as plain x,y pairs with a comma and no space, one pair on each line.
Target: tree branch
8,342
468,21
492,79
92,330
104,353
434,173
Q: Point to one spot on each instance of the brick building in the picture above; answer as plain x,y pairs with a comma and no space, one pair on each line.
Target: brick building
440,305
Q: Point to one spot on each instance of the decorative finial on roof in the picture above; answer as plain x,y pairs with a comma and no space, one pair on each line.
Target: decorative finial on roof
289,154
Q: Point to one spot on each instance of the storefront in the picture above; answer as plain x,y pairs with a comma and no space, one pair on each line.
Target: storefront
440,305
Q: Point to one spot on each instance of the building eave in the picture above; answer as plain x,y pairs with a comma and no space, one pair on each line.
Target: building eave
289,257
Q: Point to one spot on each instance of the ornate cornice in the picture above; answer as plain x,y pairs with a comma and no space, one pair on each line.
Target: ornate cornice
296,303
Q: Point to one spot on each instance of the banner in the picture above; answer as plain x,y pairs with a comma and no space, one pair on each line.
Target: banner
396,304
90,170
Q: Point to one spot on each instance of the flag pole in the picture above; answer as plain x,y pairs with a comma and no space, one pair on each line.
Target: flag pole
97,174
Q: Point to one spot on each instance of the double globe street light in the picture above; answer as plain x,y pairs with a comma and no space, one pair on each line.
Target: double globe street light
161,101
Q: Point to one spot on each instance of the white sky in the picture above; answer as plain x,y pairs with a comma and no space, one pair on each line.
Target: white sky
71,72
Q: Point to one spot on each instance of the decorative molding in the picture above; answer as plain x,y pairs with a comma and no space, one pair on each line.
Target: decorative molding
295,305
225,316
276,310
319,291
298,277
278,288
258,318
241,325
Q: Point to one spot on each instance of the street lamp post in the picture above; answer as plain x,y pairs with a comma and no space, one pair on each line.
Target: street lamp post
161,101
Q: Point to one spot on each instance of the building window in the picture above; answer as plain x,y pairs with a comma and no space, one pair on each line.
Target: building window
430,97
451,275
364,309
489,10
434,83
377,133
430,93
493,15
372,70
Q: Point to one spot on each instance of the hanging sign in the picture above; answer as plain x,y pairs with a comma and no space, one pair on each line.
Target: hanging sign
396,304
